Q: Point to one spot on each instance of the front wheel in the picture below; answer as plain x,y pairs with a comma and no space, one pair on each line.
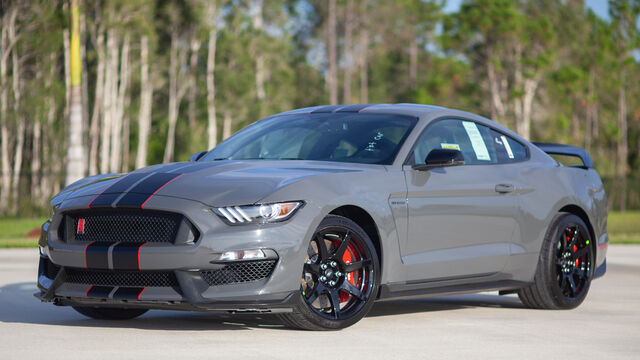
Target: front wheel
107,313
565,267
339,279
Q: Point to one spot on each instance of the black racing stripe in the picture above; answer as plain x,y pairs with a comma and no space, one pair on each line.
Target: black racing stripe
110,194
128,293
148,186
326,109
104,200
100,291
125,256
126,182
134,200
353,108
97,255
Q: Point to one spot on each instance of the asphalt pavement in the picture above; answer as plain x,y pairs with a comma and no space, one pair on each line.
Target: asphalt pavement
485,326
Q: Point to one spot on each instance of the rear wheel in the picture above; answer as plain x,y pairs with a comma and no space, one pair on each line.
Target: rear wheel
565,267
106,313
339,279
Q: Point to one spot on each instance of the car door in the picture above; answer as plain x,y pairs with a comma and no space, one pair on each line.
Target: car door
461,219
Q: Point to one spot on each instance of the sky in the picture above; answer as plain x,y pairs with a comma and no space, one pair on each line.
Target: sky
600,7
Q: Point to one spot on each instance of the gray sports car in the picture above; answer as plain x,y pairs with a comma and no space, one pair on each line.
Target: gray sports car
315,213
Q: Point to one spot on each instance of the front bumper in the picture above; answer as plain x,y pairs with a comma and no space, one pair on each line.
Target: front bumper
181,276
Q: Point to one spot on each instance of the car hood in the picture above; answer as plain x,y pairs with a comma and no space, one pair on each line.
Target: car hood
217,183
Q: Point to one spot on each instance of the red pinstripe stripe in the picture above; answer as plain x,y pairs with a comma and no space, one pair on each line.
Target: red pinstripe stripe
87,293
160,188
143,289
102,192
85,253
139,255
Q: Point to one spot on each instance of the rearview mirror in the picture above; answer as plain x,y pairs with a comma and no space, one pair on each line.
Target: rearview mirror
195,157
441,158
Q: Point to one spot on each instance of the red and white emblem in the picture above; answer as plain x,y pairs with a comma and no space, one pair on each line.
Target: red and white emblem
80,229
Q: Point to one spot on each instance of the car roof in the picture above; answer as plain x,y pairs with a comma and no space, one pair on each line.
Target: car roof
401,108
417,110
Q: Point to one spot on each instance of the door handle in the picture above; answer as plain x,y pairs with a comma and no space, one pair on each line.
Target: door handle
505,188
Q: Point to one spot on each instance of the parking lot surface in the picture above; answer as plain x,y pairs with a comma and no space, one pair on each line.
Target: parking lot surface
606,325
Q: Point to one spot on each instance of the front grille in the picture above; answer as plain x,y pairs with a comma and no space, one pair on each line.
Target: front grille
239,272
122,278
126,225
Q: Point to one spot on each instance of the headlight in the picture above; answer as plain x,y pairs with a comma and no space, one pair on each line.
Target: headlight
263,213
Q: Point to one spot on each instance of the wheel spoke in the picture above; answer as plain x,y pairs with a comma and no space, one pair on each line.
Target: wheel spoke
312,268
351,267
563,281
574,287
574,238
342,247
323,253
581,274
317,291
581,252
334,296
348,287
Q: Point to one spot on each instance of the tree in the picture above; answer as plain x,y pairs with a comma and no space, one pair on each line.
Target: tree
75,156
624,15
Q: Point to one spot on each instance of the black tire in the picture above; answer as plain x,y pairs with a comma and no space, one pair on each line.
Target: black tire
565,266
107,313
326,279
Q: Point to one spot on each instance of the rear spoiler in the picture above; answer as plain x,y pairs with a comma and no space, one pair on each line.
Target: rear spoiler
567,150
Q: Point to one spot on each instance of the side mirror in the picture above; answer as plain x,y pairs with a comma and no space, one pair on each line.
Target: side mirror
441,158
195,157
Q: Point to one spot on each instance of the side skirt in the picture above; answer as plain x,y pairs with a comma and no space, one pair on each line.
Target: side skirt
449,287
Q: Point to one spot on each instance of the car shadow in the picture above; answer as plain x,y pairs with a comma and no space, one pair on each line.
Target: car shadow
20,306
443,303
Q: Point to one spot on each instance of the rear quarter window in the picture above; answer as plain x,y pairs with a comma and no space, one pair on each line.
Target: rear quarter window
507,149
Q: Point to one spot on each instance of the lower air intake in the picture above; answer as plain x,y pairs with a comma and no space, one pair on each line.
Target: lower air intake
239,272
122,278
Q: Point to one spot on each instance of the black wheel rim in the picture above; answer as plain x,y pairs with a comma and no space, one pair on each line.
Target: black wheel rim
573,261
338,274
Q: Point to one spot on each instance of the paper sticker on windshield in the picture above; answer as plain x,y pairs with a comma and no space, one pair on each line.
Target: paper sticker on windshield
507,146
450,146
478,144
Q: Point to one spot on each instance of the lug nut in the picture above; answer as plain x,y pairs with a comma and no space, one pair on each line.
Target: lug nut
334,264
332,283
323,278
323,266
338,273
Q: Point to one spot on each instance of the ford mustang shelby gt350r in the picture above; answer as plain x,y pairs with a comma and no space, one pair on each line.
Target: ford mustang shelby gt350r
315,213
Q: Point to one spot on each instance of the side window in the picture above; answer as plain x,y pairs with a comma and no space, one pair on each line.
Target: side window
508,150
473,140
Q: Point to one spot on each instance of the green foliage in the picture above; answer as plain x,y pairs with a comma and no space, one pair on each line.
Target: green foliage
577,57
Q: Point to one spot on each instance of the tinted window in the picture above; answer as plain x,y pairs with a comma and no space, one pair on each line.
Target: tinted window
343,137
507,149
472,139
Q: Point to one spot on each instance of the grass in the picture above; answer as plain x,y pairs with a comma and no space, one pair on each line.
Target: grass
624,228
13,232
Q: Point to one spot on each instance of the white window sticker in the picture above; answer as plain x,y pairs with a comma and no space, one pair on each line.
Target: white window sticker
505,142
479,147
450,146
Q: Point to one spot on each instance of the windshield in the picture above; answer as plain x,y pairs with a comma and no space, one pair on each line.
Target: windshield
342,137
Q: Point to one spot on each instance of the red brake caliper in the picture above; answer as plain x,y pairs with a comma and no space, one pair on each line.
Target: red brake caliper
347,259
